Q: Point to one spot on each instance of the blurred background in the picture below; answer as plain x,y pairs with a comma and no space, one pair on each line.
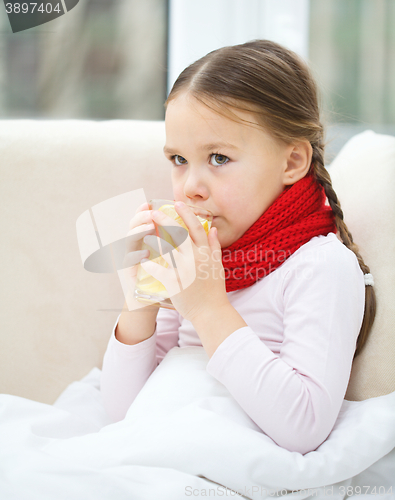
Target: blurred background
117,59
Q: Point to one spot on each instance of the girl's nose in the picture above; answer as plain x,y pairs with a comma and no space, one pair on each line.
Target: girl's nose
195,186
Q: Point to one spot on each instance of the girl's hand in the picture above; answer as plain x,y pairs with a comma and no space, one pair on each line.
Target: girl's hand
139,226
198,262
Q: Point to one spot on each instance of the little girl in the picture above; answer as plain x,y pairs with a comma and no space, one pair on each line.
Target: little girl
279,302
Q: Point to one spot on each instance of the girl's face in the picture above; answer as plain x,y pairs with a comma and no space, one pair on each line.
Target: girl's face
232,169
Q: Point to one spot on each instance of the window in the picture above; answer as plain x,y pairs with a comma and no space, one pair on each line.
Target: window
352,55
102,60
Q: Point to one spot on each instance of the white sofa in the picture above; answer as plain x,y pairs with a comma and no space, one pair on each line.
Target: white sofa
56,318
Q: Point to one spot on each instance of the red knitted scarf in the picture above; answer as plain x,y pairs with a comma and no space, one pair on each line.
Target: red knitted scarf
296,216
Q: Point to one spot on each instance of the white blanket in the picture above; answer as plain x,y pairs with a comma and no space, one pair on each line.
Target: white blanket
184,436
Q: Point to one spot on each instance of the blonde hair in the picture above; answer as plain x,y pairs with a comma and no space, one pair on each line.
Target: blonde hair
272,82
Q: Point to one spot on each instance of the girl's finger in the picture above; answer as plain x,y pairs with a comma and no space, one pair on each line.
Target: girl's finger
165,275
196,230
141,231
168,227
144,206
133,258
163,219
158,245
143,217
133,239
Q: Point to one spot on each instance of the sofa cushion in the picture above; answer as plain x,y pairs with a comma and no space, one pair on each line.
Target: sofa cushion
56,317
363,177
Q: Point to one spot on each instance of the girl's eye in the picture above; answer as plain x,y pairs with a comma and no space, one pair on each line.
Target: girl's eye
179,160
219,159
216,160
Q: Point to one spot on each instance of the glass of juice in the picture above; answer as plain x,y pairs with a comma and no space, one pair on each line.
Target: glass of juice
149,290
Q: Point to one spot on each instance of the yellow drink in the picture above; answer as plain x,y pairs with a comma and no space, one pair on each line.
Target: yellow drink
148,289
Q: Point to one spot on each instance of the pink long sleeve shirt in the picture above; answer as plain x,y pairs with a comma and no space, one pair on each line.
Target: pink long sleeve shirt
289,368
